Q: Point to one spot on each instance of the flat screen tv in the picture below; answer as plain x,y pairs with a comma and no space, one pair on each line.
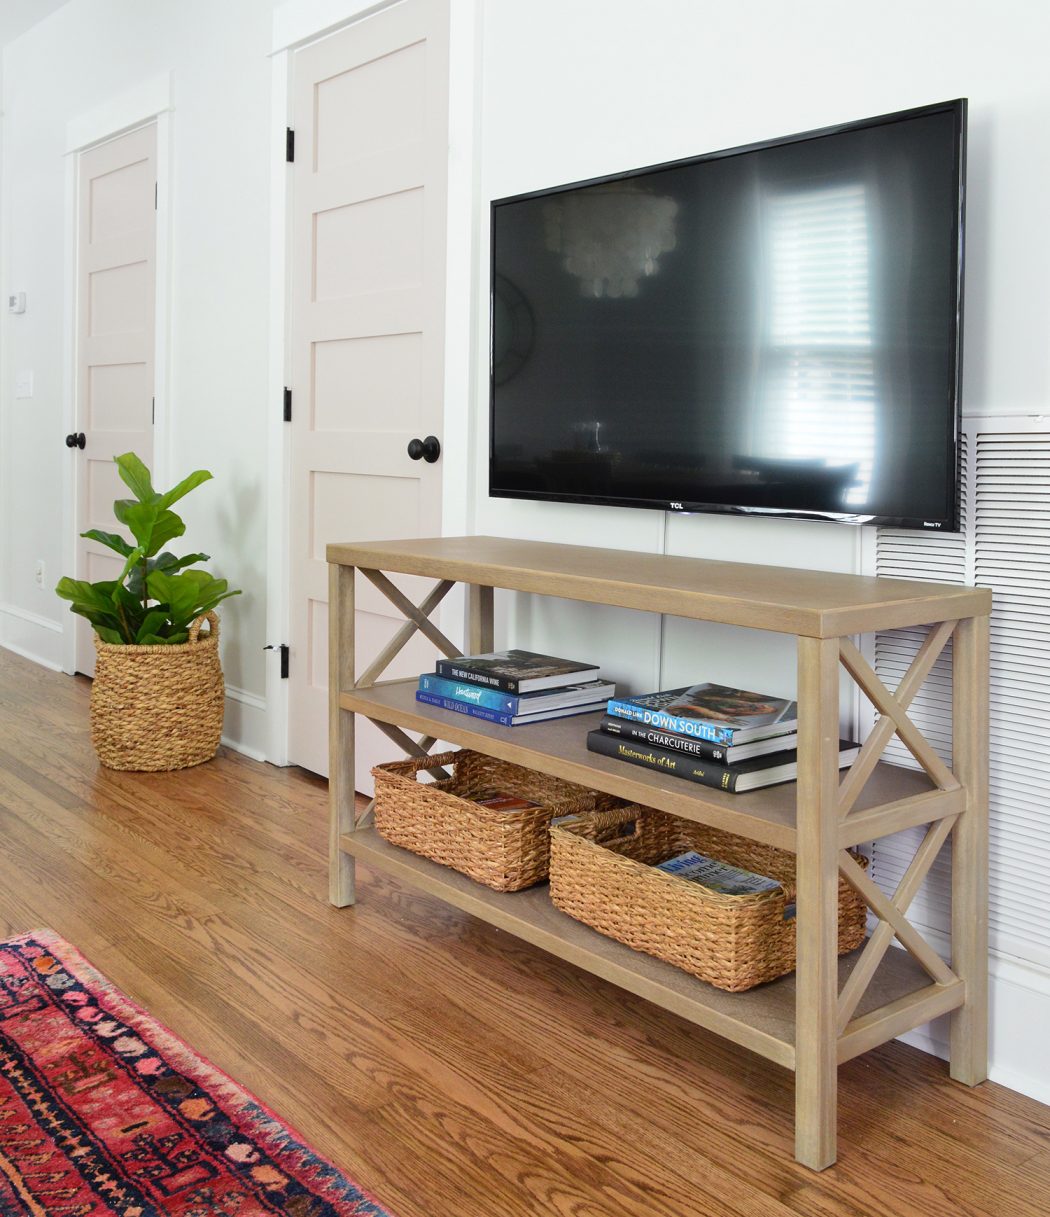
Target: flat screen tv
774,329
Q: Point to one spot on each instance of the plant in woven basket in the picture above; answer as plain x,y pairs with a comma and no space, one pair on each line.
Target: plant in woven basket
156,598
158,696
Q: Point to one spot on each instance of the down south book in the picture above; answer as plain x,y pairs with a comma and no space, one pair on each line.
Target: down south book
717,713
747,775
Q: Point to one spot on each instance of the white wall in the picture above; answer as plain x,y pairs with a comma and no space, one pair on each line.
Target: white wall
574,90
76,61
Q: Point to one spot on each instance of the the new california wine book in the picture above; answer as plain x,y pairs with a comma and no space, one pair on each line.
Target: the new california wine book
517,703
505,720
747,775
516,671
702,749
711,712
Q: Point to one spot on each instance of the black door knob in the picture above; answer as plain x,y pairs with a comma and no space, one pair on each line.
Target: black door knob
429,449
76,440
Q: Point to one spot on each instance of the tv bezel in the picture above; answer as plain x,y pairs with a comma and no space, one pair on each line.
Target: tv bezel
950,522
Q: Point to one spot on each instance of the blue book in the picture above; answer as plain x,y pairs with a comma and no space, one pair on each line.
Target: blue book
711,712
496,716
516,703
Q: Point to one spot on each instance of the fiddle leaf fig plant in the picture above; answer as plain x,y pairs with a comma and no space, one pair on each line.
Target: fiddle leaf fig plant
156,598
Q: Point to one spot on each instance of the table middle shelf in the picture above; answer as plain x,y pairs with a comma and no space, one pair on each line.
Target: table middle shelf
894,797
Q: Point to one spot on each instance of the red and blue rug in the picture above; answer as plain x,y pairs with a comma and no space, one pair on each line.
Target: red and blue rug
103,1111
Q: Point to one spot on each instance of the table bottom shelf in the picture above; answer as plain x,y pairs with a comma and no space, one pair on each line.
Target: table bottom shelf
762,1019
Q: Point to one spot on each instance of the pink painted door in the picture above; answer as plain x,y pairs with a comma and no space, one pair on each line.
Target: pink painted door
116,306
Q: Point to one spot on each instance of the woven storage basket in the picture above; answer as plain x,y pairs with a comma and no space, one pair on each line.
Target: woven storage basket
158,707
603,873
507,851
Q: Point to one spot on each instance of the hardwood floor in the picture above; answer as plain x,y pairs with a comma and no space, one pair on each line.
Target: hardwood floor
451,1070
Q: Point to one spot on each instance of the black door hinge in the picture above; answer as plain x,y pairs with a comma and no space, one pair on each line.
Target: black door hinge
155,193
284,650
153,410
287,404
289,144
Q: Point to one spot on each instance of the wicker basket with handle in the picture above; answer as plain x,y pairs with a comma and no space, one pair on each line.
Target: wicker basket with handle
442,820
159,707
603,872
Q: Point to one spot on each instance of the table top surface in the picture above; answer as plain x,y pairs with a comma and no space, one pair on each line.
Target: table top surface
815,603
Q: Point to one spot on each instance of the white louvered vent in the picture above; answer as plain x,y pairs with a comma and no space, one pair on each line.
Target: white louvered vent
1005,546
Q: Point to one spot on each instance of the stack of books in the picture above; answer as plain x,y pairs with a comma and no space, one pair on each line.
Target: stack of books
514,688
731,739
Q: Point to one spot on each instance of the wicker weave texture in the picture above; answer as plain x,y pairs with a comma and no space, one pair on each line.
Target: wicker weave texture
506,851
602,872
158,707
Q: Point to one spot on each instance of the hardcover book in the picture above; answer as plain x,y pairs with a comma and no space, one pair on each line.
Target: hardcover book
716,713
505,720
747,775
517,671
517,703
731,754
718,876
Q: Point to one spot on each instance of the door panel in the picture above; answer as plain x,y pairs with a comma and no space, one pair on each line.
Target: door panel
116,290
367,332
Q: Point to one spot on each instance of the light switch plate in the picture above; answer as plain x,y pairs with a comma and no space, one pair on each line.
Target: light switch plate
23,384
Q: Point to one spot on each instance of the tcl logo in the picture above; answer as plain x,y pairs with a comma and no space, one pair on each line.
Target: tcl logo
676,506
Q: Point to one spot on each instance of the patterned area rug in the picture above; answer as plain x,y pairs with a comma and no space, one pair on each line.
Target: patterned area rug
103,1111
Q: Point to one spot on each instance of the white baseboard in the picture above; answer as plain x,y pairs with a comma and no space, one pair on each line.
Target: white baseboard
31,636
1019,1013
245,727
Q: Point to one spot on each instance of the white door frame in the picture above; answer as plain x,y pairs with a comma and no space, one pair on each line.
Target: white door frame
149,102
296,24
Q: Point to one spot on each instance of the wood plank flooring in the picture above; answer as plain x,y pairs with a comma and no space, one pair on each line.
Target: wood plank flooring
453,1071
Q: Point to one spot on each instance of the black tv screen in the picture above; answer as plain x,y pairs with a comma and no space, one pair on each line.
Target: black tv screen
772,329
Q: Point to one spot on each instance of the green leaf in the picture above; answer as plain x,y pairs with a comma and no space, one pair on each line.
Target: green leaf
167,528
169,563
166,562
178,592
111,540
109,635
135,556
184,487
152,525
135,476
153,621
96,596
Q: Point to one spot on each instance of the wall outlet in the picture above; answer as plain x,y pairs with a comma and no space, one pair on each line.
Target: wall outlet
39,572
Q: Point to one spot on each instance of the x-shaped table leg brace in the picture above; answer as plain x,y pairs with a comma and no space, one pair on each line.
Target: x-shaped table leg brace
418,618
893,921
893,718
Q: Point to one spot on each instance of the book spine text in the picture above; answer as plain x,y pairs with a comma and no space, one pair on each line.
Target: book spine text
475,695
662,760
462,707
702,749
658,719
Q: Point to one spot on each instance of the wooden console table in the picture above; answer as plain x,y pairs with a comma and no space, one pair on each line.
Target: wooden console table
830,1010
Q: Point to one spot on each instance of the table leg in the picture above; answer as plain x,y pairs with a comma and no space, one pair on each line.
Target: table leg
969,1023
479,619
816,1036
341,783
